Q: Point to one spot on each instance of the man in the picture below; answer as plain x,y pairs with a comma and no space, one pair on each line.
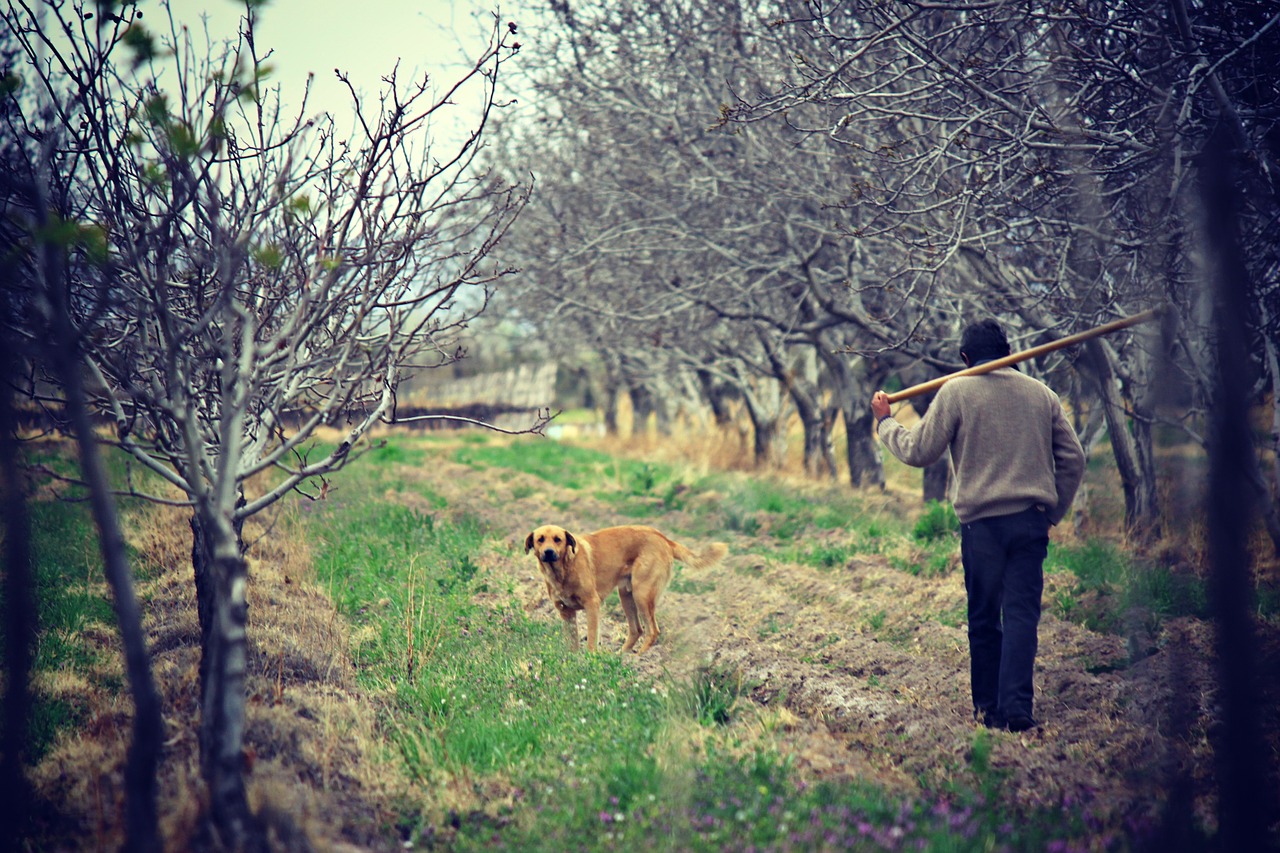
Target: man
1018,464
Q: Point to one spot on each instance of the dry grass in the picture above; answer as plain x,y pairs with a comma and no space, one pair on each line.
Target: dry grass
703,447
311,744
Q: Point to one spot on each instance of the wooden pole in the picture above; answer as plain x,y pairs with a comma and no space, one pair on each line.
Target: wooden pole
1034,352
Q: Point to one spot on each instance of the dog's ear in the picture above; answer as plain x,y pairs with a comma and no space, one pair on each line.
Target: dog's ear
528,543
570,541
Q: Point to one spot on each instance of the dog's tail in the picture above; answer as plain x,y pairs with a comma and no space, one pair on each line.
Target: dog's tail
710,555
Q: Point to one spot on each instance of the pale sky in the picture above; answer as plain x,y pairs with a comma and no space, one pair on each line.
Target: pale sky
362,37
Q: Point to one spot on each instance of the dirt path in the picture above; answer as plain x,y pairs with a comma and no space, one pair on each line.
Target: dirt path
862,671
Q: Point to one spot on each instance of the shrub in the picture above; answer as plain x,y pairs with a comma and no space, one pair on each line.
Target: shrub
938,521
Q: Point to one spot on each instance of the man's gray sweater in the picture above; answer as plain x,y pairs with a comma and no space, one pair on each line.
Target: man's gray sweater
1011,444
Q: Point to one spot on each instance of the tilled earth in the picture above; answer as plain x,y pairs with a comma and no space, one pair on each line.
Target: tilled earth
868,667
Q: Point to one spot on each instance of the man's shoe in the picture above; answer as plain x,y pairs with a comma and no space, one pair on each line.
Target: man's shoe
1021,724
990,719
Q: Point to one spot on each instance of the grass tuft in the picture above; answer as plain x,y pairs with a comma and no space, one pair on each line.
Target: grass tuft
938,521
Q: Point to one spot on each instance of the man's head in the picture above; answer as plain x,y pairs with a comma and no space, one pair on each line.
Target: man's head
983,341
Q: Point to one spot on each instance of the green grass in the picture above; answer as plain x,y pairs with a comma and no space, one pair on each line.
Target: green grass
826,555
740,802
397,453
753,506
938,521
558,464
933,562
62,539
70,597
1112,588
637,489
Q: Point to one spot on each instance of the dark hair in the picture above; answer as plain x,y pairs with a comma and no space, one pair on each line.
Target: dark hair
984,340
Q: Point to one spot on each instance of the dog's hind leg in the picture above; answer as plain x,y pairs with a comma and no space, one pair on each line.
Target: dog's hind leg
633,619
646,598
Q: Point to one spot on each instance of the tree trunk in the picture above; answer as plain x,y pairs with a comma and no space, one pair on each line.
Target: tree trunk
642,407
1273,367
19,617
862,455
765,434
610,394
768,450
866,467
1267,491
221,574
61,350
663,398
717,396
203,575
816,448
937,478
798,379
1137,476
818,460
1264,503
610,408
141,833
830,414
1090,432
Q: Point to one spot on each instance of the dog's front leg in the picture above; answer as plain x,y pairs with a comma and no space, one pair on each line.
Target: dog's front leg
593,622
571,631
570,617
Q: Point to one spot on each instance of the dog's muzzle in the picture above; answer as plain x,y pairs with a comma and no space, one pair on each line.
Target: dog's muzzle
550,556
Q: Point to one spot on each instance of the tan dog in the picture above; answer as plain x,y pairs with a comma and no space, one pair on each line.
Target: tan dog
582,570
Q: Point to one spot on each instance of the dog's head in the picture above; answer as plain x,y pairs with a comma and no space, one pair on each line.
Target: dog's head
551,544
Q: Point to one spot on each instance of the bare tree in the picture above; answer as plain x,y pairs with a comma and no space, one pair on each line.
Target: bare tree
649,213
246,277
888,171
1037,160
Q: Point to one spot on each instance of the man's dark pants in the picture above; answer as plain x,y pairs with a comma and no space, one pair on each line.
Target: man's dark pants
1004,577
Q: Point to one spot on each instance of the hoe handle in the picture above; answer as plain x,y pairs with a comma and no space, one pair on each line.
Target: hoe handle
1034,352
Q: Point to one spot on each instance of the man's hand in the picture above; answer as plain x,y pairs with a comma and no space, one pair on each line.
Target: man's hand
880,405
